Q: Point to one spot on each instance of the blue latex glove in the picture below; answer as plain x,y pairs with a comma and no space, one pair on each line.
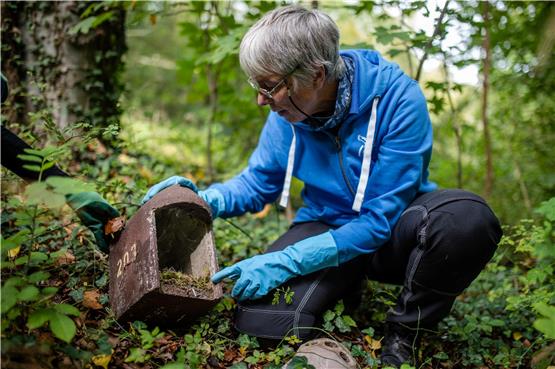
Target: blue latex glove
168,182
260,274
213,198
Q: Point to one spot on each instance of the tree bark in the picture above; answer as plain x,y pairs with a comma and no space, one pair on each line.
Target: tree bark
488,186
74,78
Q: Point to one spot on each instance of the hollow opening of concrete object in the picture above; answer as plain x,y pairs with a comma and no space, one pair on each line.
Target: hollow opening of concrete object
184,243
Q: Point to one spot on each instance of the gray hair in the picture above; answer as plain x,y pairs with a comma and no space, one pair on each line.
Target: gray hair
292,39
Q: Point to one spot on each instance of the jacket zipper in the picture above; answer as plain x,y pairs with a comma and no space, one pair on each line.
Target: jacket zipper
338,146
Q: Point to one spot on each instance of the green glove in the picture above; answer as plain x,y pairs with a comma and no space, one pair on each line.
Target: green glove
94,212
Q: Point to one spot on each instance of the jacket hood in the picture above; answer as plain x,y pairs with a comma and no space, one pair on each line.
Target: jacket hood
372,77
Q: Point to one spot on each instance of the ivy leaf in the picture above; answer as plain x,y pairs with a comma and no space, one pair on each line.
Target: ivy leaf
299,362
62,327
137,355
341,325
329,315
349,321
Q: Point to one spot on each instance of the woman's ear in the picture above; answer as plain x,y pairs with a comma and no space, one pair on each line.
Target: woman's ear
320,78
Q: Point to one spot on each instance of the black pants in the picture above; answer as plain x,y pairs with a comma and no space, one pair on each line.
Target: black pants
438,247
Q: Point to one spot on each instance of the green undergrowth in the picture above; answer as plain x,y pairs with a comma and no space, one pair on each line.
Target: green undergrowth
56,312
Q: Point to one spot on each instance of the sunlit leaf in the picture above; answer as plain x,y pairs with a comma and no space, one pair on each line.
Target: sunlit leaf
62,327
67,309
67,185
102,360
38,317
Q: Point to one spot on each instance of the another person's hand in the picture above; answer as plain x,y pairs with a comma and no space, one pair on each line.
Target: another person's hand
212,197
260,274
94,212
168,182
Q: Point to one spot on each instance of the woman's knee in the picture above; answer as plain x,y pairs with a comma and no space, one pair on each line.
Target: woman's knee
461,238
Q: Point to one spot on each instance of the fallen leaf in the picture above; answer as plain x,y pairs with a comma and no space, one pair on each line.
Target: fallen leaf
262,214
14,252
125,159
66,258
229,355
374,344
242,351
145,173
90,300
114,225
102,360
517,335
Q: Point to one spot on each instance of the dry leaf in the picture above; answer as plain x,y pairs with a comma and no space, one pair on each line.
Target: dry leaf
229,355
66,258
264,212
145,173
102,360
114,225
374,344
14,252
90,300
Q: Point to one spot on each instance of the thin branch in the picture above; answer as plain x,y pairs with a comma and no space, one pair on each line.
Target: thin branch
488,187
455,124
431,40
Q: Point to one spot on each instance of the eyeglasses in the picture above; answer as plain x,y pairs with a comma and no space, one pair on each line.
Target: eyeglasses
264,92
270,93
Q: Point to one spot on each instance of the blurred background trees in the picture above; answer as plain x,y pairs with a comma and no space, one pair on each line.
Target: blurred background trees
486,68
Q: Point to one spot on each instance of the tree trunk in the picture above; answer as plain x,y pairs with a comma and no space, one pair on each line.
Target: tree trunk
72,77
488,187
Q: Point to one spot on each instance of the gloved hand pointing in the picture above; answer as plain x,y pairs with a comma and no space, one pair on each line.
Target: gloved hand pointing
260,274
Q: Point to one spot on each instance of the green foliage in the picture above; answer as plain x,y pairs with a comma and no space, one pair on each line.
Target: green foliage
187,99
299,362
287,295
335,319
25,297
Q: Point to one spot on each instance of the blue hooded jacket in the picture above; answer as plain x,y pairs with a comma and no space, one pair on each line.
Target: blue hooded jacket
388,122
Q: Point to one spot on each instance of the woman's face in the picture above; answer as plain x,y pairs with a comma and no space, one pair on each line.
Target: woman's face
306,98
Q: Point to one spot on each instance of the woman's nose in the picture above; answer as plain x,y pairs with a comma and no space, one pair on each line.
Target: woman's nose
262,100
